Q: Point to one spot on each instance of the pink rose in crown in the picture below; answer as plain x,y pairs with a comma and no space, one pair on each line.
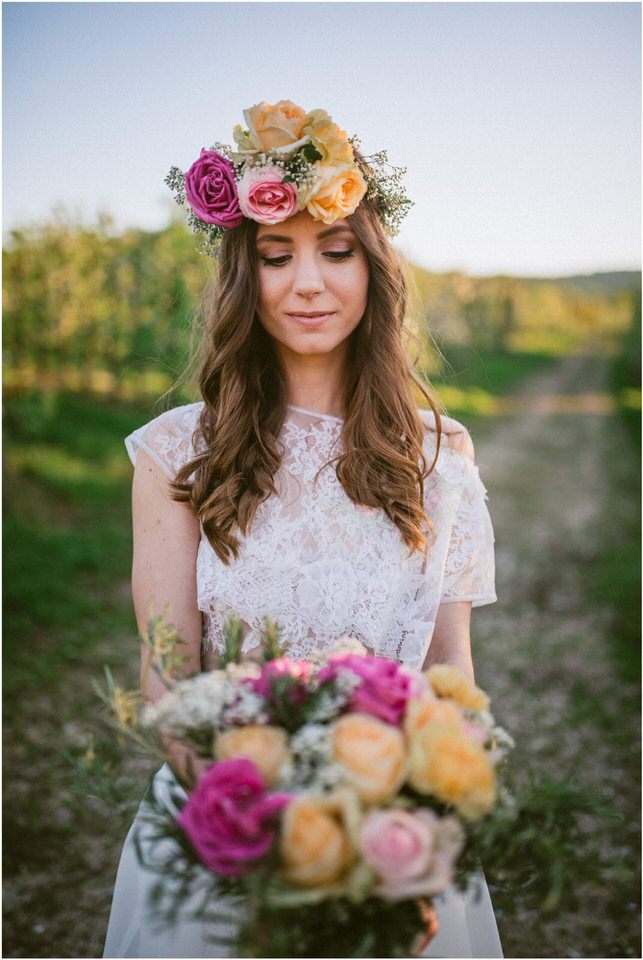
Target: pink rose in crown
413,854
384,690
230,818
211,190
264,197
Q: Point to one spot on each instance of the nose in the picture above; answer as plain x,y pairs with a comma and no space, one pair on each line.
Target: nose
308,280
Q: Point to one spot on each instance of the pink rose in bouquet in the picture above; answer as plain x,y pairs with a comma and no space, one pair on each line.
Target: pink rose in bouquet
413,854
284,679
384,690
230,818
211,190
476,730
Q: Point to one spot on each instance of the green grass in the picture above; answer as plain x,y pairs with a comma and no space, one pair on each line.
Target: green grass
66,533
469,381
497,372
68,610
614,577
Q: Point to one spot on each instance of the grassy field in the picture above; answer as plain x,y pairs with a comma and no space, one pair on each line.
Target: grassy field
68,611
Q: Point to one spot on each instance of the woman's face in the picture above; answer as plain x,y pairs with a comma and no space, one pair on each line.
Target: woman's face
313,283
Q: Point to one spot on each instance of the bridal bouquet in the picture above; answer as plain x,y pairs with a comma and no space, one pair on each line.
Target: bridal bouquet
339,796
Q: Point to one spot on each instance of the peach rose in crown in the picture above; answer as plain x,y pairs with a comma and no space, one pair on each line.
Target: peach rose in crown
335,192
273,127
266,746
413,854
372,756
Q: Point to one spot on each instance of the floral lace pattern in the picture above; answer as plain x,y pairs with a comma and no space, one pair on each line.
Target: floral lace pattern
323,566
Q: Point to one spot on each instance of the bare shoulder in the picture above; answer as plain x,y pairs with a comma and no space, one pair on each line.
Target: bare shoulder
454,434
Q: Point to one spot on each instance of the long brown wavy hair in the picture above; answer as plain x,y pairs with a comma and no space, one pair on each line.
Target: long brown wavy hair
244,389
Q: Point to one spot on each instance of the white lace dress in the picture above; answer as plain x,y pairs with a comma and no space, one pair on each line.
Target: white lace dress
323,567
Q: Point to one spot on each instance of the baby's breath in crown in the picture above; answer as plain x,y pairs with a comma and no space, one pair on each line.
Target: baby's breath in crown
287,160
385,185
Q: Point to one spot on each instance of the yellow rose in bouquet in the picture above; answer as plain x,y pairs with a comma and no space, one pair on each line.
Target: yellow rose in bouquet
453,767
424,712
448,681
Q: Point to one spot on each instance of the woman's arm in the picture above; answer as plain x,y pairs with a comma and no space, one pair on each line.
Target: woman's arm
451,641
166,540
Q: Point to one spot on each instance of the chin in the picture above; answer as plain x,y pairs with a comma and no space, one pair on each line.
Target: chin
311,346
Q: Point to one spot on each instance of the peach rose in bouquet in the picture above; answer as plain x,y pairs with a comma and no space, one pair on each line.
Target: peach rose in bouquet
266,746
316,846
371,754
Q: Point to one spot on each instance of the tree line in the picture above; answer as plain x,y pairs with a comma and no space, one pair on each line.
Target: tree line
94,309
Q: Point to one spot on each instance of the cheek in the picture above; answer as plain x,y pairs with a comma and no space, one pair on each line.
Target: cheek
355,287
270,291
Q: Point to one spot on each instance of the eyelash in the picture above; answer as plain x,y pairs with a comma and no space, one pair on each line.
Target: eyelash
337,256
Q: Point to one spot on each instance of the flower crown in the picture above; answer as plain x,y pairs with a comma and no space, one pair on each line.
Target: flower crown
286,161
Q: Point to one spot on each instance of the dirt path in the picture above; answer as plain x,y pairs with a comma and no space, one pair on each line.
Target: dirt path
541,650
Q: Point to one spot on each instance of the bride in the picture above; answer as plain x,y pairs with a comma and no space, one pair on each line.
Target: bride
305,483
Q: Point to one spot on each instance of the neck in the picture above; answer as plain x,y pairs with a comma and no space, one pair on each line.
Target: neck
316,382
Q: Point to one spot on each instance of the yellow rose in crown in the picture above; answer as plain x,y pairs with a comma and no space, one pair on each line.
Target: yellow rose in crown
453,767
316,846
448,681
328,138
266,746
335,192
372,755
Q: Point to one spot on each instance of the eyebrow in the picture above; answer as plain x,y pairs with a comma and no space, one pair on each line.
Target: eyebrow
320,236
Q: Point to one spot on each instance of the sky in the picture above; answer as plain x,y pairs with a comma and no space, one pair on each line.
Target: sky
519,123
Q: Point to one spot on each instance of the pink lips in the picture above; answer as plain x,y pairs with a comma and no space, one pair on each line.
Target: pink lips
314,321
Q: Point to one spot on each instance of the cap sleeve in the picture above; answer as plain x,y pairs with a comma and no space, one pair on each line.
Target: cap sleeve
168,438
470,564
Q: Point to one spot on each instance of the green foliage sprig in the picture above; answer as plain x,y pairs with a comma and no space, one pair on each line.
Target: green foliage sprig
384,182
535,846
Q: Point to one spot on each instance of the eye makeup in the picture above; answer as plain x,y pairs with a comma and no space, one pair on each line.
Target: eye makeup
335,255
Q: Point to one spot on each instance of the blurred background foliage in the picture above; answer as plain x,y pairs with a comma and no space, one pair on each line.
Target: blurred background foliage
96,328
94,311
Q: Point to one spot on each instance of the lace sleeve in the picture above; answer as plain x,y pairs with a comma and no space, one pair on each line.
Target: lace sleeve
470,564
168,439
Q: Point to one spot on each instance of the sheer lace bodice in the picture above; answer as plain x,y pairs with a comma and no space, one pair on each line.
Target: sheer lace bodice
323,566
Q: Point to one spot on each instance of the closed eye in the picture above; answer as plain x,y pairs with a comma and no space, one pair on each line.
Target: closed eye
335,255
